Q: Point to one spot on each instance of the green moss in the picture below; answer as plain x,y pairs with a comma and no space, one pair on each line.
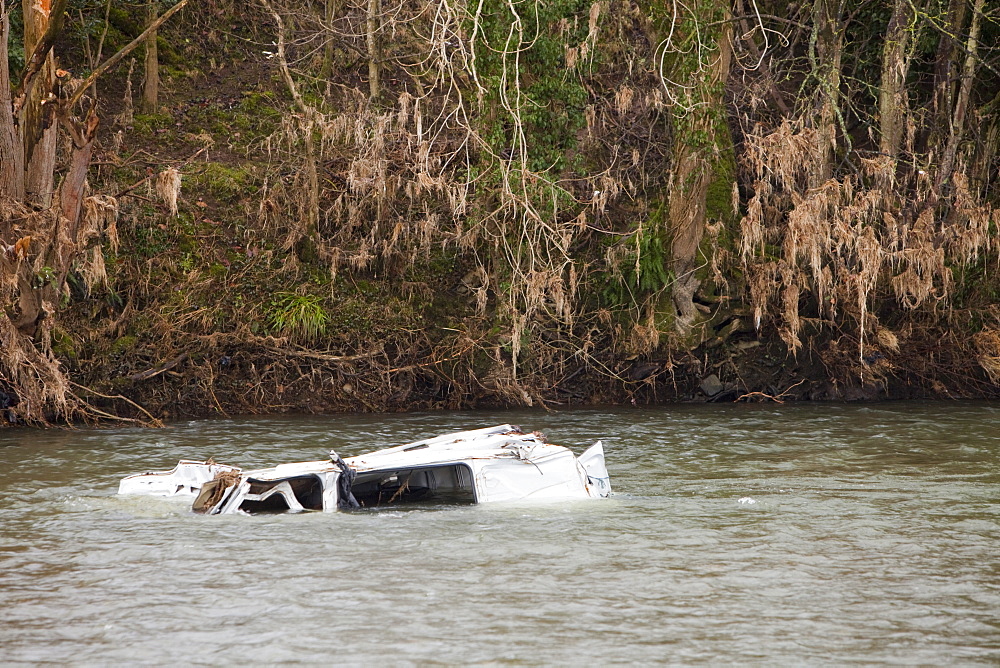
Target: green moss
719,204
63,346
147,124
719,198
124,21
123,345
305,249
166,53
440,267
665,315
227,183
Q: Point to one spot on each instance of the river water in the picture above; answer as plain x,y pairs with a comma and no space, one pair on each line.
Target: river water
816,534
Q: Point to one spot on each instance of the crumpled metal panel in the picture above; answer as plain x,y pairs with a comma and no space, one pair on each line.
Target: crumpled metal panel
506,465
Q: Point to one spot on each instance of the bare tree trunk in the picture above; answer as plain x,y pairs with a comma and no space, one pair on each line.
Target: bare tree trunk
38,126
374,9
893,100
100,47
980,172
11,148
764,59
329,14
72,189
826,52
689,189
957,125
151,86
945,74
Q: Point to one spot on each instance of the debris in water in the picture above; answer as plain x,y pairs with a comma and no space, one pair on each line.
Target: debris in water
499,463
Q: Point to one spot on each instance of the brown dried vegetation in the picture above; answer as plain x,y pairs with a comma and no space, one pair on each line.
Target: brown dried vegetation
457,204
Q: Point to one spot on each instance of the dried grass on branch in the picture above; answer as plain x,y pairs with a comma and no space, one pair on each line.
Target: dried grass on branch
852,242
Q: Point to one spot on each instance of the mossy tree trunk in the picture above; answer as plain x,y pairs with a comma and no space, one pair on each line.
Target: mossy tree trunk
151,85
701,139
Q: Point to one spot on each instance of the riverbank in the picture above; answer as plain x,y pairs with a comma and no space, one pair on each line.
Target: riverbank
291,228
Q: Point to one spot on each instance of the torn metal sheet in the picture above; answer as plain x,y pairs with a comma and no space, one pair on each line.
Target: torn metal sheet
500,463
185,479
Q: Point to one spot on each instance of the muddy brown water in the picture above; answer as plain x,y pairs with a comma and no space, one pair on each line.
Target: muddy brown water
821,534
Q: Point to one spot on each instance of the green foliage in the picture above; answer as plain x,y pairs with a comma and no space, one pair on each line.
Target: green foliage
15,43
653,255
556,98
63,346
977,287
298,316
188,262
148,242
45,276
645,270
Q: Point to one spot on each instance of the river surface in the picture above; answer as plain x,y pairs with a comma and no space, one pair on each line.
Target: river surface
789,535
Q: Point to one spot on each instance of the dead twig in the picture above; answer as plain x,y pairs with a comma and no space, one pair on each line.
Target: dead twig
156,371
153,422
323,357
763,395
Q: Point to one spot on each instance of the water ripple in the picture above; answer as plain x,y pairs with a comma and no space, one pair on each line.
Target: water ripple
777,535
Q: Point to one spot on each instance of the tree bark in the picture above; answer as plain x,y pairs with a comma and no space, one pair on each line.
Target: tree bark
826,52
374,55
11,148
151,85
72,188
689,188
893,100
695,157
957,126
980,172
945,74
38,126
329,14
